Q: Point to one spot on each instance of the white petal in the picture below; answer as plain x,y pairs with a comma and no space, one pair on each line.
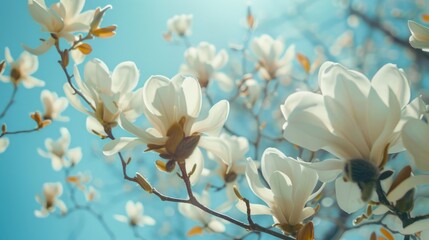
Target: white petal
255,183
224,81
93,125
148,220
327,170
121,218
216,226
215,120
415,137
125,77
117,145
348,196
192,91
255,209
4,143
217,147
44,47
389,76
30,82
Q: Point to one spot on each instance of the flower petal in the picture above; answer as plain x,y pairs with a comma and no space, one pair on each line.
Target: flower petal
348,196
415,136
215,120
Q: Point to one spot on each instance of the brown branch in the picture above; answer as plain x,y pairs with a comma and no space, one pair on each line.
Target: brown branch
11,101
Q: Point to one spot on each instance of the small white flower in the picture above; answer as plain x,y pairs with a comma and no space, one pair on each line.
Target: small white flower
415,136
62,19
49,200
180,25
207,221
173,108
290,188
419,36
21,70
250,90
109,93
271,63
238,147
53,105
203,63
135,215
4,143
354,119
59,152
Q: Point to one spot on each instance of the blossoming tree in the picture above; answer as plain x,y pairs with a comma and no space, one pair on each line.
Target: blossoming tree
278,147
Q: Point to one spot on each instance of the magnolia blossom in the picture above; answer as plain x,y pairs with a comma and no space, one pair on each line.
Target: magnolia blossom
59,152
49,200
173,108
4,143
109,94
53,105
419,36
271,63
62,19
207,221
180,25
290,187
203,63
238,147
250,90
21,70
415,135
354,119
135,215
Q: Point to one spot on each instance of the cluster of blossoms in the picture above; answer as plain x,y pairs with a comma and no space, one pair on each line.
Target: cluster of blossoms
359,123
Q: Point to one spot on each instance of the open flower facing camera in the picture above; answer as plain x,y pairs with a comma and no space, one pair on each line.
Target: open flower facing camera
263,131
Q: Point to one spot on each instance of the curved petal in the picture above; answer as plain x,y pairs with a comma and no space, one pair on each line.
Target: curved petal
217,147
415,137
255,183
125,77
216,226
327,170
224,81
390,76
255,209
192,91
44,47
117,145
4,143
348,196
215,120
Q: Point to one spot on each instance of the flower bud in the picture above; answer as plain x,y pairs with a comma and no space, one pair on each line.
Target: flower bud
142,181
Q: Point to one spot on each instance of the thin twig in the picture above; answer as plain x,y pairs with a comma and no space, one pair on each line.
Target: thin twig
11,101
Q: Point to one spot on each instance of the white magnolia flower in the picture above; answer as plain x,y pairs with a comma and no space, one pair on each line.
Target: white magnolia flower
354,119
59,152
135,215
250,90
415,136
53,105
203,63
62,19
49,200
207,221
180,25
419,36
238,147
4,143
21,70
271,63
173,108
395,224
290,187
109,93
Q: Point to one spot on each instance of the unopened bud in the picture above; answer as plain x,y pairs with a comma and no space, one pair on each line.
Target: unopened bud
143,182
306,232
2,65
194,167
237,193
3,128
65,58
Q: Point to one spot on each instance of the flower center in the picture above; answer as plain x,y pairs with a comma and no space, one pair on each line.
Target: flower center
178,146
364,173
